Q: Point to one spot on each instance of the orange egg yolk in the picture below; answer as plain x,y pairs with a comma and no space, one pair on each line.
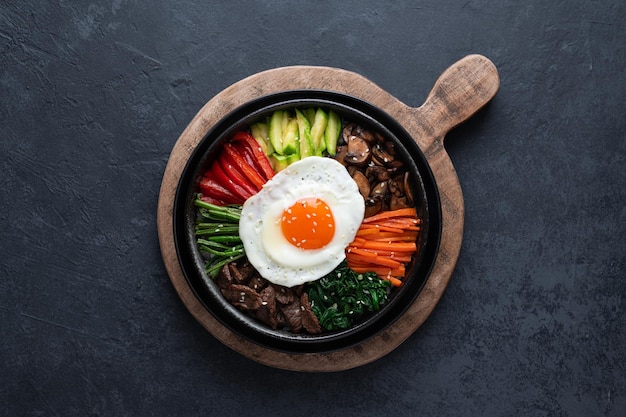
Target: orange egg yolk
308,224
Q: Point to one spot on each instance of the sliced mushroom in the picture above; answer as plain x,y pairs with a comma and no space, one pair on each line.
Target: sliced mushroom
380,189
390,148
359,152
340,156
367,136
362,183
396,186
347,131
381,157
377,173
395,165
396,202
379,137
373,206
408,191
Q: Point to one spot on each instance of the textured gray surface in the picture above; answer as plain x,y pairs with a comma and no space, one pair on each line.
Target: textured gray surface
93,96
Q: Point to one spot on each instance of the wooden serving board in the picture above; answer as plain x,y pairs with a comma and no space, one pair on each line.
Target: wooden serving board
460,91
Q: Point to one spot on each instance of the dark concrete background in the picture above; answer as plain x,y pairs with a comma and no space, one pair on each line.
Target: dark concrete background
93,96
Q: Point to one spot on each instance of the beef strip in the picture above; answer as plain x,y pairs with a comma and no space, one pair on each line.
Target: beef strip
285,295
267,311
293,315
309,319
236,274
224,278
257,283
242,297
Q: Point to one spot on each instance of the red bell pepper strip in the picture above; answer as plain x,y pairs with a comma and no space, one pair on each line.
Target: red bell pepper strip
264,163
212,200
212,189
245,151
232,156
217,172
236,177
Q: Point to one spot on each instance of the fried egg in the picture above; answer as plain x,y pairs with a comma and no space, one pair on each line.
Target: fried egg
296,228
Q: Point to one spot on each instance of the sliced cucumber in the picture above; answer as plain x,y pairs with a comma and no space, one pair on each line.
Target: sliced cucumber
304,130
276,131
310,114
332,132
290,138
317,131
280,162
261,133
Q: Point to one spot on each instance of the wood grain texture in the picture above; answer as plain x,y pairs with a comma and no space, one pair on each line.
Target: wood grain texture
460,92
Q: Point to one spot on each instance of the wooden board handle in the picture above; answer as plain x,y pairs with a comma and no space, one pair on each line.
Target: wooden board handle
461,90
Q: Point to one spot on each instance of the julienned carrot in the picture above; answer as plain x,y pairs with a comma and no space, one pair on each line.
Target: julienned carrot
395,281
383,273
399,222
404,212
404,257
385,244
372,228
408,236
399,226
393,246
377,260
356,251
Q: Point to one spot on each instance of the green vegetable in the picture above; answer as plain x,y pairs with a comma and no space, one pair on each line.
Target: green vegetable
217,234
310,114
317,131
291,144
304,129
342,297
260,132
276,130
287,136
332,132
281,162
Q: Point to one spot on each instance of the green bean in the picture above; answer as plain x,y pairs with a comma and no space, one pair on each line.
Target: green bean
217,235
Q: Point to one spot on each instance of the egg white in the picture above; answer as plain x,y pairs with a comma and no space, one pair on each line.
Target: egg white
269,252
